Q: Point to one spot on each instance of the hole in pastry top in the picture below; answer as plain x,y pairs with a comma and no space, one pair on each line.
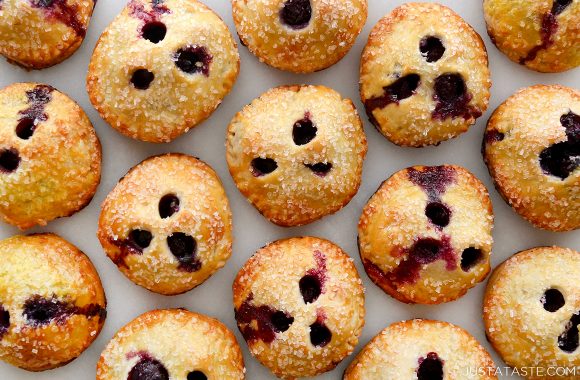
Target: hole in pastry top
553,300
430,367
470,257
310,288
304,130
431,48
568,341
263,166
142,78
438,213
138,240
184,248
148,368
321,169
168,205
154,31
193,59
296,13
9,160
196,375
563,158
320,335
4,321
559,6
281,321
25,128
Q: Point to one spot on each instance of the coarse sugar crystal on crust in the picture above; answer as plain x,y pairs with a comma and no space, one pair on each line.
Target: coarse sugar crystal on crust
299,304
167,224
52,303
300,36
50,155
297,153
37,34
542,35
425,235
172,344
425,350
531,311
532,150
161,68
424,75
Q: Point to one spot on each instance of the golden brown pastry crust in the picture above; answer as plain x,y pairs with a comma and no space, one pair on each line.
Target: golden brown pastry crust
203,214
58,150
182,341
521,131
47,270
272,281
519,327
294,193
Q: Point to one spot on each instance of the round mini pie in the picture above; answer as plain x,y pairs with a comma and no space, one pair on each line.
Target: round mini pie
299,304
531,311
543,35
424,75
424,350
161,68
172,344
297,153
425,235
532,150
167,224
52,304
300,36
50,156
36,34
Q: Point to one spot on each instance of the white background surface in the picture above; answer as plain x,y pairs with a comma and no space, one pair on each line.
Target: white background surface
251,230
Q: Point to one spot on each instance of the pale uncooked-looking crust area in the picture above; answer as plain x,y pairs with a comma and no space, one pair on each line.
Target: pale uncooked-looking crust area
204,213
175,101
395,353
392,52
330,34
293,195
519,328
515,27
33,38
60,164
48,266
394,218
530,122
271,276
183,341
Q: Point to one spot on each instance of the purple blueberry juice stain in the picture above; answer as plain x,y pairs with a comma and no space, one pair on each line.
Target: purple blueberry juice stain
147,368
261,322
62,11
296,13
563,158
40,311
38,98
452,98
4,321
434,180
402,88
184,248
312,284
430,367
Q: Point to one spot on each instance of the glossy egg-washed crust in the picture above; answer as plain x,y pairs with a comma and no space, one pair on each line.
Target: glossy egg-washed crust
204,213
60,164
175,101
328,37
521,31
48,266
529,122
181,340
395,353
37,37
293,195
520,330
392,52
394,218
271,278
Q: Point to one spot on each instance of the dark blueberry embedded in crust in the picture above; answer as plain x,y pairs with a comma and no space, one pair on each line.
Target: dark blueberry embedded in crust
493,135
4,321
430,368
438,213
148,368
561,159
296,13
548,30
193,59
568,341
431,48
320,335
184,248
426,250
310,288
263,166
142,79
40,311
9,160
402,88
140,239
304,131
470,257
552,300
559,6
154,31
281,321
25,128
452,98
168,205
196,375
320,169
